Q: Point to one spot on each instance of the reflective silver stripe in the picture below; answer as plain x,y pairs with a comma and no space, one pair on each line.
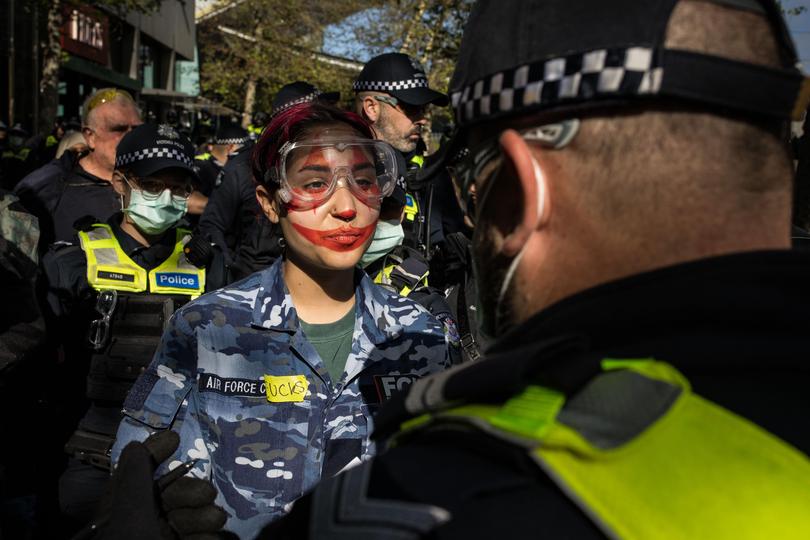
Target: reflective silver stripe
99,233
106,256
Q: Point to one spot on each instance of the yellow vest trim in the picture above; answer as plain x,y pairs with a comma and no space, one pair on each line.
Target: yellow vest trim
109,267
698,471
418,160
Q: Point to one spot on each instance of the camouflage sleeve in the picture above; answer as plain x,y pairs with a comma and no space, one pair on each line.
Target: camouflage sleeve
164,397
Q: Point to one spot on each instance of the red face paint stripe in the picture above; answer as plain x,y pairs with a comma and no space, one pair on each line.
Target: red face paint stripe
342,239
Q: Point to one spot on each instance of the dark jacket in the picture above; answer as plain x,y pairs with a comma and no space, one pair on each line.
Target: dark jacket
735,326
60,193
233,220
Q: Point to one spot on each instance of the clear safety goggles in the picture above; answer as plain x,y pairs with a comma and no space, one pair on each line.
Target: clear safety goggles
310,172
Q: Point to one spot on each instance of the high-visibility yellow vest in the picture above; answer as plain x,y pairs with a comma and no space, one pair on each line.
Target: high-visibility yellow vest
645,458
108,267
203,156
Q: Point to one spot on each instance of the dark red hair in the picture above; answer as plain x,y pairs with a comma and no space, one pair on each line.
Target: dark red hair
291,125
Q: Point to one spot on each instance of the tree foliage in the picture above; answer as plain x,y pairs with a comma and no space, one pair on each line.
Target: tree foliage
277,38
269,43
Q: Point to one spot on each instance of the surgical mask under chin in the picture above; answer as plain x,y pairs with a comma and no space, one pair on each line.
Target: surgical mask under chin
490,324
157,215
387,236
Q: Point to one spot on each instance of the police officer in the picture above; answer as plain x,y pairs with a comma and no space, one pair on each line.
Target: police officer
127,275
79,185
392,93
257,123
404,270
232,220
229,139
18,158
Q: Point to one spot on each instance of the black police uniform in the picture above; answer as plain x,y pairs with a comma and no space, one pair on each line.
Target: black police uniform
233,221
734,326
62,192
208,170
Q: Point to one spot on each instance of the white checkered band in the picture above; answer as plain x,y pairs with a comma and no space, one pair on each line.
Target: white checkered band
601,73
233,140
303,99
388,86
152,153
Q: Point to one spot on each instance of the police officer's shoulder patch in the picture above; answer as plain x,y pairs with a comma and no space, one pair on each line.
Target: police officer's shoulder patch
450,329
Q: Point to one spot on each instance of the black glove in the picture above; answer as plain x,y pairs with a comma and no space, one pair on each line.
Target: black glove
137,507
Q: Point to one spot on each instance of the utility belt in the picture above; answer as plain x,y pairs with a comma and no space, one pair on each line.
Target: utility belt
124,345
91,448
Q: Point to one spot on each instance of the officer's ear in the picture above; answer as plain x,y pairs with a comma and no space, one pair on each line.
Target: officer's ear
268,203
370,108
518,201
119,184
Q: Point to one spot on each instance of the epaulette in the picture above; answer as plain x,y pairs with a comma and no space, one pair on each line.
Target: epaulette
342,510
85,223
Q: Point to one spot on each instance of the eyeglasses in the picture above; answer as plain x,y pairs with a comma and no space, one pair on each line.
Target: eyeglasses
153,188
411,111
308,173
479,163
100,328
105,96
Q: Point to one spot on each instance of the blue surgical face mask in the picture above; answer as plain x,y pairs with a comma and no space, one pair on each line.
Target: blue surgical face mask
155,214
387,236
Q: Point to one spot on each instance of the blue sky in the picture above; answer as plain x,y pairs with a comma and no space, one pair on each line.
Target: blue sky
800,29
338,39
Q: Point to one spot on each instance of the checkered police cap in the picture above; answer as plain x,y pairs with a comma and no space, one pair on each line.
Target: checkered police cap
298,92
401,76
149,148
230,133
568,56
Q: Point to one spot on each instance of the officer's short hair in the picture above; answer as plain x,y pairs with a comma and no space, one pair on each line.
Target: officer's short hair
615,155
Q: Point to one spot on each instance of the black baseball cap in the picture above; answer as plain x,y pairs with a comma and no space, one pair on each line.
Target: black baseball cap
401,76
300,92
569,56
149,148
230,133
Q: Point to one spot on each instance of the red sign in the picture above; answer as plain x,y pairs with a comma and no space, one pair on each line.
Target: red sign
85,33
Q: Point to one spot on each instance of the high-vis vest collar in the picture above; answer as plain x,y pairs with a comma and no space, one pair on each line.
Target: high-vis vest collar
644,457
108,267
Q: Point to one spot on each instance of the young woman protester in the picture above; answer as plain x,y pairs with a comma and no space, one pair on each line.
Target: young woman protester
272,382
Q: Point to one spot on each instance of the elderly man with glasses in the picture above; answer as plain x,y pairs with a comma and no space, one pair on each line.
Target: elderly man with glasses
110,296
79,184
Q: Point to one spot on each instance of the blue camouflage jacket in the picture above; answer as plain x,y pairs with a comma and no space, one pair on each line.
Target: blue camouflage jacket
249,396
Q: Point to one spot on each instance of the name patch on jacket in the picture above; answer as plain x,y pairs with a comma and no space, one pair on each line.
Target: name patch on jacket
388,384
285,388
115,276
177,280
209,382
